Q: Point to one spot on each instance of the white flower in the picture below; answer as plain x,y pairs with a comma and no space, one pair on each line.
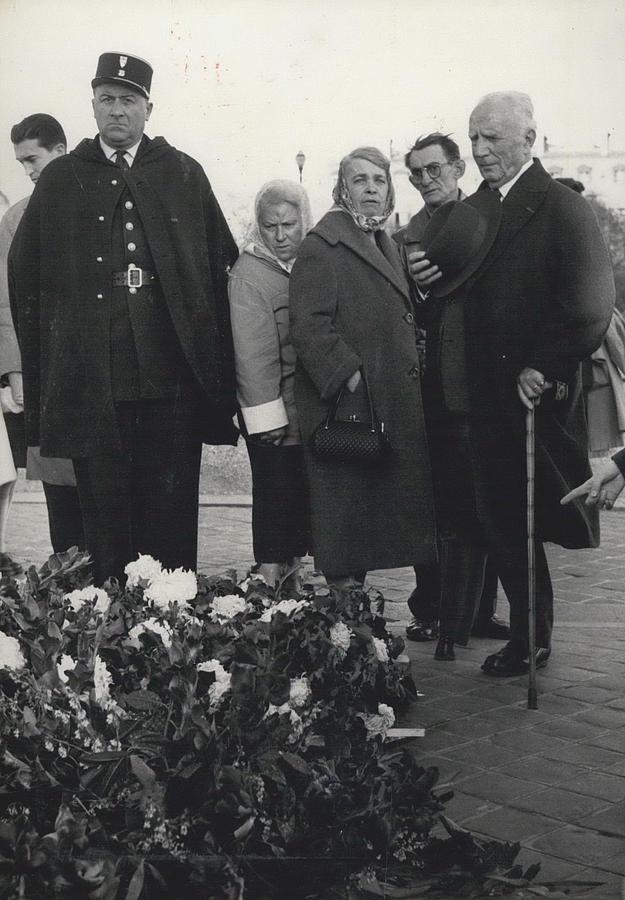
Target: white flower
11,656
340,635
227,607
284,606
160,628
379,725
79,597
102,680
222,680
255,576
142,571
381,650
177,586
65,665
299,692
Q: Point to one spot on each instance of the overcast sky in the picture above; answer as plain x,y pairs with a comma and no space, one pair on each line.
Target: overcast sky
242,85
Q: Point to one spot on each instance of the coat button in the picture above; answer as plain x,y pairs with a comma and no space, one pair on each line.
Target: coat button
100,296
414,372
129,226
100,218
409,318
98,259
129,204
132,290
132,246
114,181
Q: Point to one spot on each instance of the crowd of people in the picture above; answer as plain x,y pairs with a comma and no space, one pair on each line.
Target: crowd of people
137,332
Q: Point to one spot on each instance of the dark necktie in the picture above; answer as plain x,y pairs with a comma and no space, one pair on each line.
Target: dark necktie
120,159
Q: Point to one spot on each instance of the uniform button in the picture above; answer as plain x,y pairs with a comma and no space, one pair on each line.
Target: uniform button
414,372
503,356
114,181
129,204
98,259
100,296
129,226
132,290
409,318
132,246
100,218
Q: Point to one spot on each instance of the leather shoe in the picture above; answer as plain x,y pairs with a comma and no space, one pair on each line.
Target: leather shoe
417,630
513,659
491,628
444,650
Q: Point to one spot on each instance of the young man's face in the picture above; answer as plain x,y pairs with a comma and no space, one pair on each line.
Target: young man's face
34,157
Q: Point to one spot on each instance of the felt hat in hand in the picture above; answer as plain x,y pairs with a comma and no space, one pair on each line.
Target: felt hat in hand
458,237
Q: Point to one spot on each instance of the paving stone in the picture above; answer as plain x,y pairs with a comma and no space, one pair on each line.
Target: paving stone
610,887
560,804
544,771
484,754
498,787
583,845
601,715
611,740
585,754
596,784
551,868
465,806
527,741
473,727
557,705
571,729
609,821
589,694
513,825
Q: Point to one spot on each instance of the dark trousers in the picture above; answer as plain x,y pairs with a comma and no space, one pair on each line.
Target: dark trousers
144,498
64,516
424,600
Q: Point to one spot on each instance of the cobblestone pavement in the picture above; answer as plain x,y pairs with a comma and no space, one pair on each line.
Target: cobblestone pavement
552,778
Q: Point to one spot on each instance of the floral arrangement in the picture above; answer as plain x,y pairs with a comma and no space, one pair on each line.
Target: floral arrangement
188,736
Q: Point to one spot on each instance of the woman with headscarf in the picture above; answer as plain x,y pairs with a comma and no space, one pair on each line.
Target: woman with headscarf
352,322
265,366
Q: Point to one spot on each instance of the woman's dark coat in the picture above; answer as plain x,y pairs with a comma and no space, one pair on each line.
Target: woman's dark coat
542,299
350,309
61,284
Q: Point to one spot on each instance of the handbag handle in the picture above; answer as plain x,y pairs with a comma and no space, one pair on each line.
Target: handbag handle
333,408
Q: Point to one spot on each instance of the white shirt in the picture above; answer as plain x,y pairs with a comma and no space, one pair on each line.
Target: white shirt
505,188
129,152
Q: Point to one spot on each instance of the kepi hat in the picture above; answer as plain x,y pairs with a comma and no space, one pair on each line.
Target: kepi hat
124,69
458,237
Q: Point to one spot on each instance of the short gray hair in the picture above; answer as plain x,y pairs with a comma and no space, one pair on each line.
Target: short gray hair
517,103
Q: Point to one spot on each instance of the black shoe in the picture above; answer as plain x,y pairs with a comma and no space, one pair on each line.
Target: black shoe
513,659
417,630
491,628
444,650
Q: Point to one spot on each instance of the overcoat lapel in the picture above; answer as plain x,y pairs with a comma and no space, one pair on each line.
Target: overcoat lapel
524,199
342,229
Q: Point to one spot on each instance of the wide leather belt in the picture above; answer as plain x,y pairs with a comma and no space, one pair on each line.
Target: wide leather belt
134,277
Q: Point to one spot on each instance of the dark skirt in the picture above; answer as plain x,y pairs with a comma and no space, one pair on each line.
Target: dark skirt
280,506
17,438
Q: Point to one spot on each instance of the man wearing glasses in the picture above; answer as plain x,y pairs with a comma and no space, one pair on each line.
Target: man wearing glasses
435,168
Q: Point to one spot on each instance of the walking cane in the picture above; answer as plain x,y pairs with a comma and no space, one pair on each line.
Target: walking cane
532,701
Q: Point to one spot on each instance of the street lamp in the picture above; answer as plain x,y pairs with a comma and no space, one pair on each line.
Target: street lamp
300,159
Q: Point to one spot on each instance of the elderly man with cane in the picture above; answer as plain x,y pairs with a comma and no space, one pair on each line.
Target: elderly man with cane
507,334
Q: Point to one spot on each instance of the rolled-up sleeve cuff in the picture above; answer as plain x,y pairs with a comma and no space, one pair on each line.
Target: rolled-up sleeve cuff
265,416
619,459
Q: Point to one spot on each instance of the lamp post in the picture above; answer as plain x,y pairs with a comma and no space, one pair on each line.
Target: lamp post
300,159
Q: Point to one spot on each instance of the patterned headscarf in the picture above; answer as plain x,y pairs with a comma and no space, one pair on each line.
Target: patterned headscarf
279,191
343,199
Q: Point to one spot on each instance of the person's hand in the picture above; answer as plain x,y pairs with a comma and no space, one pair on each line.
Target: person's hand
602,489
17,387
353,381
421,270
531,385
273,437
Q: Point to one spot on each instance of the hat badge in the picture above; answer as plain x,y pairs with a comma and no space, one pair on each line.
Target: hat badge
122,63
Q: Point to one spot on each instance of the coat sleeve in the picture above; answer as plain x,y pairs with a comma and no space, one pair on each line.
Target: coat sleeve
584,300
10,359
24,294
314,306
257,357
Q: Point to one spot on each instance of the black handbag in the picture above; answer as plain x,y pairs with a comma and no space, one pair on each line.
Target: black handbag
351,440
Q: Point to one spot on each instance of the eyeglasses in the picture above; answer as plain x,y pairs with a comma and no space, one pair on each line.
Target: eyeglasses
433,170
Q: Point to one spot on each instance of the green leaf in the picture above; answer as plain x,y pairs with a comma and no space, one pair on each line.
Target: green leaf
296,762
143,700
136,883
142,771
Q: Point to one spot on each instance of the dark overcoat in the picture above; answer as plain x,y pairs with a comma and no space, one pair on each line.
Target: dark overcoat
61,284
350,308
542,298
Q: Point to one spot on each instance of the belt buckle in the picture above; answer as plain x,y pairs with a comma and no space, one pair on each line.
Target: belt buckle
135,276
